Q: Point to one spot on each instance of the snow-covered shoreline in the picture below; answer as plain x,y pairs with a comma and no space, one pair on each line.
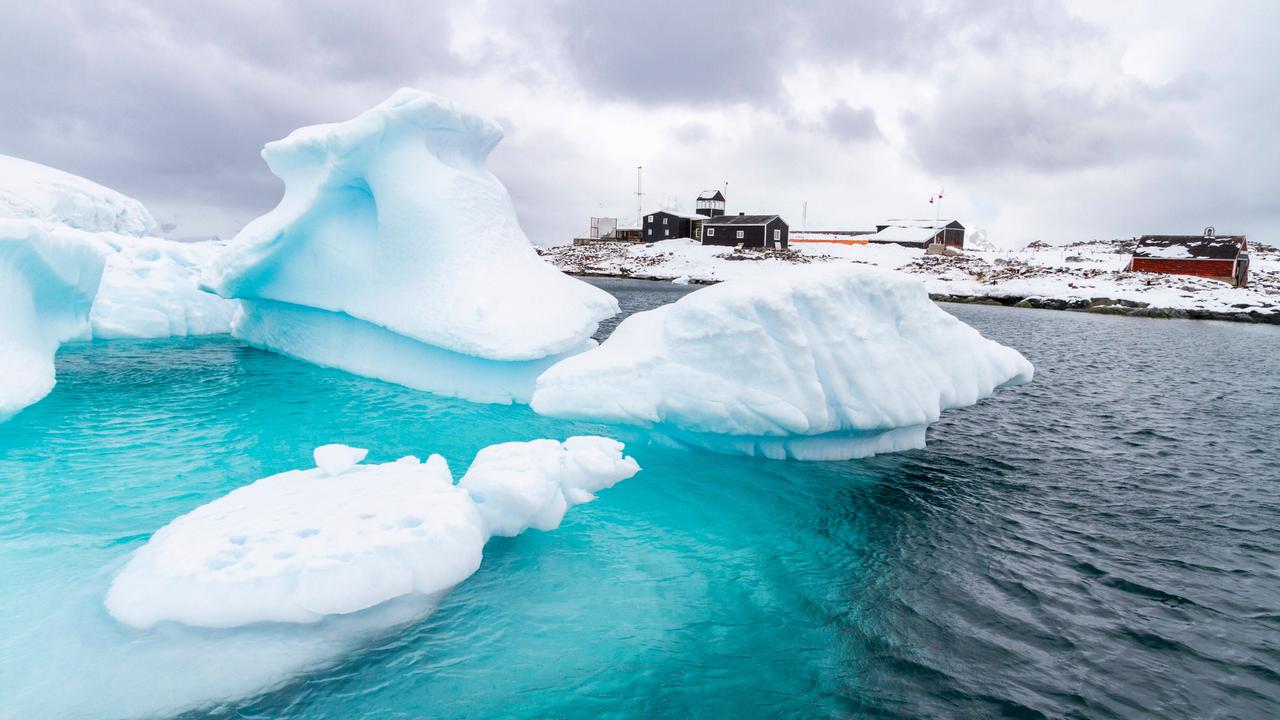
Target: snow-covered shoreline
1085,276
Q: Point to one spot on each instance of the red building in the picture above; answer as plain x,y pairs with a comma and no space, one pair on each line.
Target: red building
1221,257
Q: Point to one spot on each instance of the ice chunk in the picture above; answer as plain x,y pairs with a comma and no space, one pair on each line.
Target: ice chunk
808,363
391,222
306,544
48,277
337,459
151,289
33,191
520,485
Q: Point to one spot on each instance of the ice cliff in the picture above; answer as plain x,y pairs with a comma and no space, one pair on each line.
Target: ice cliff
307,544
806,363
49,275
396,254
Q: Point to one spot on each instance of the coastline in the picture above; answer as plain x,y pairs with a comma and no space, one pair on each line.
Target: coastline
1084,277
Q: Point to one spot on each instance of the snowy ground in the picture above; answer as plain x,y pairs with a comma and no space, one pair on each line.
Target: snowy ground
1081,276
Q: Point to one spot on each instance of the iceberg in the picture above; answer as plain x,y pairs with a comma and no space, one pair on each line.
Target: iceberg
31,191
306,545
151,289
149,286
809,363
49,275
396,254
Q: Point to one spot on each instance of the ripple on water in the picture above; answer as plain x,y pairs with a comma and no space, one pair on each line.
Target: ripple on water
1104,542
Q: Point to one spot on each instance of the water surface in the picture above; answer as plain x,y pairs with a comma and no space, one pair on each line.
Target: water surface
1104,542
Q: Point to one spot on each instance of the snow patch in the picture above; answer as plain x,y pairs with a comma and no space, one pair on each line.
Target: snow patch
807,363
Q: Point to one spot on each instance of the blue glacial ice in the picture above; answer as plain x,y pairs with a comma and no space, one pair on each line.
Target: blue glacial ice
809,363
396,254
49,275
76,262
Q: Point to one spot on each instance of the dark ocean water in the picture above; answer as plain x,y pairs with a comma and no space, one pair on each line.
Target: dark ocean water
1104,542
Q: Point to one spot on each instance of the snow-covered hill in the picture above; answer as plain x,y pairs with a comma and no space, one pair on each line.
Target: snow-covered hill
1081,276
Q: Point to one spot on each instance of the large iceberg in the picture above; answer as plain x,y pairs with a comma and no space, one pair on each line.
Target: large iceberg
341,538
151,289
811,363
395,253
31,191
150,285
49,275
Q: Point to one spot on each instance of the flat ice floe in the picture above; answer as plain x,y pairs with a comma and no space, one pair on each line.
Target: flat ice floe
396,254
808,363
341,538
49,275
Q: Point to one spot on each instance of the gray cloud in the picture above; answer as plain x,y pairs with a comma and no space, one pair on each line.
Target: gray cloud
851,124
1002,124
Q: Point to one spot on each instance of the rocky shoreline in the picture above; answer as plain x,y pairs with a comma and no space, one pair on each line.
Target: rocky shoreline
1109,306
1098,306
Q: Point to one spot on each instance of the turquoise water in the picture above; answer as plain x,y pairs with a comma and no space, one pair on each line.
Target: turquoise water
1104,542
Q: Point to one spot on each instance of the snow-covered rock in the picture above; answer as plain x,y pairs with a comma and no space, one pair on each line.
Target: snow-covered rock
308,544
396,253
48,277
808,363
33,191
151,289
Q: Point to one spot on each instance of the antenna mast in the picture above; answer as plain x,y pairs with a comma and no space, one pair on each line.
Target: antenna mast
804,216
639,198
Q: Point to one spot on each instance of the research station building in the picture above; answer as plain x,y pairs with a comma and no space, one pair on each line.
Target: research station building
1220,257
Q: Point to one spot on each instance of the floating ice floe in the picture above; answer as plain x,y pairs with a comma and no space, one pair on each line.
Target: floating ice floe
808,363
48,277
305,545
396,254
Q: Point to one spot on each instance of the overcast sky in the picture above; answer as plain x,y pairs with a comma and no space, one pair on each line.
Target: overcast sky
1042,119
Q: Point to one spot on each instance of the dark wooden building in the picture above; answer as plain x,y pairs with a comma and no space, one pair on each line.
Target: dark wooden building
710,203
919,233
665,225
753,231
1222,257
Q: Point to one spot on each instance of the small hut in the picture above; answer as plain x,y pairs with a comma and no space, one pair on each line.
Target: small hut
1221,257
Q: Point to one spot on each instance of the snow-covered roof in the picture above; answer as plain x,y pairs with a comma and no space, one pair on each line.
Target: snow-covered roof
915,235
710,195
1220,247
903,223
685,215
740,220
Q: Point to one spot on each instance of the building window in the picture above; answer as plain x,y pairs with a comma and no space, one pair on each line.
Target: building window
711,232
650,218
740,234
777,236
664,220
650,231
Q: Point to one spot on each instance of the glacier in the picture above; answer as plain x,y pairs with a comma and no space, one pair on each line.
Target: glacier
305,545
809,363
31,191
49,275
395,253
